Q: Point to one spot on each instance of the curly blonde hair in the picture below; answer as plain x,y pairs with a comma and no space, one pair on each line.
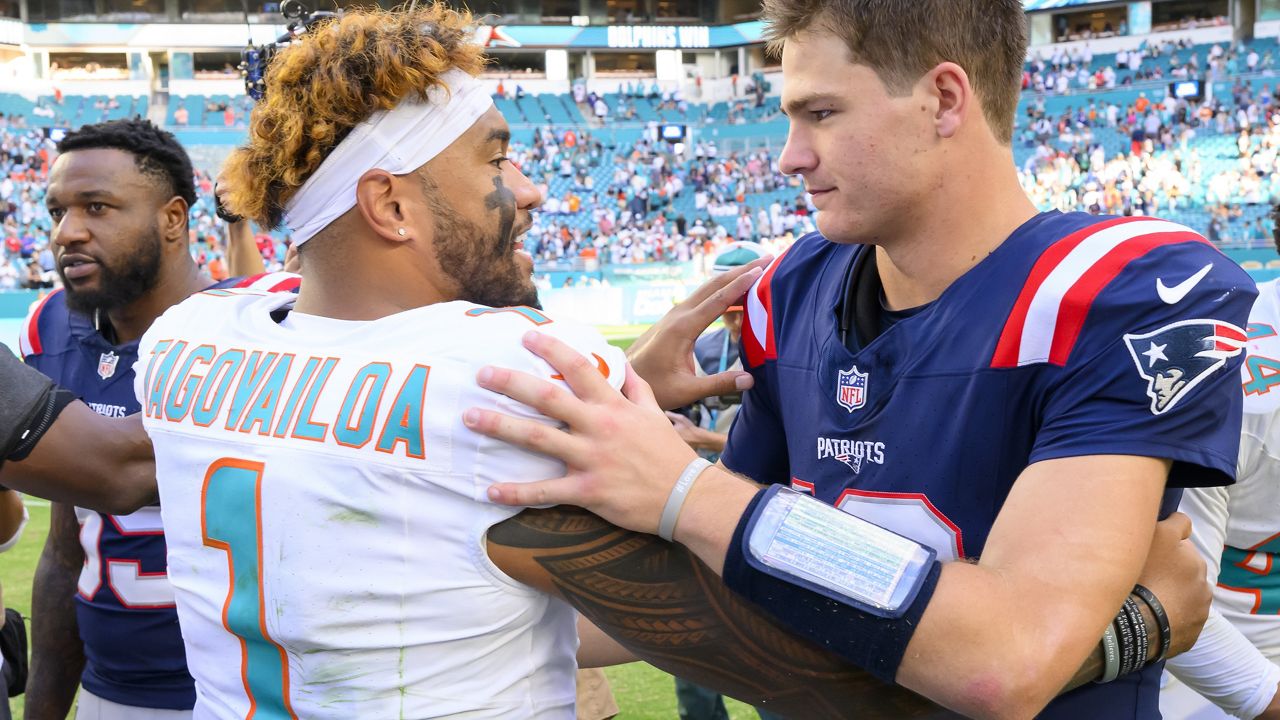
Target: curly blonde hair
320,87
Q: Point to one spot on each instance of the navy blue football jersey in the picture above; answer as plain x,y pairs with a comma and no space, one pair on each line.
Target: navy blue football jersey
1077,336
124,603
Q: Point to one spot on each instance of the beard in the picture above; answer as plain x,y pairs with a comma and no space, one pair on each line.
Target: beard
481,262
119,286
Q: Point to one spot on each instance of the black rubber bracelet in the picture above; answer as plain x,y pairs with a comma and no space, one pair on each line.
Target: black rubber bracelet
1162,619
1139,631
1128,643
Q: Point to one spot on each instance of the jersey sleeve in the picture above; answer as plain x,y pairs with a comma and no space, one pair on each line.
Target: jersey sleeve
1155,370
1207,508
757,444
32,336
1260,375
1226,668
494,461
1223,665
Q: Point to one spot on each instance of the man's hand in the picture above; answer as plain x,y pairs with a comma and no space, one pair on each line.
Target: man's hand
663,355
220,192
622,453
1175,573
696,437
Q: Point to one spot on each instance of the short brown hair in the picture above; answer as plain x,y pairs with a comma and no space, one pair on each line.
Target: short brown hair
319,88
904,39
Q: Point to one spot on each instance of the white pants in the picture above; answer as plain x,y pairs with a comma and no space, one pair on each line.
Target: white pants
92,707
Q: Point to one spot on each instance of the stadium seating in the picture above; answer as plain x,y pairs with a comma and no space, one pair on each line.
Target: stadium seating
741,125
73,110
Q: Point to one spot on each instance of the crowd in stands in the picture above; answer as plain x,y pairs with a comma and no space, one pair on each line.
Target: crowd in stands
604,206
649,203
1087,139
25,260
1076,68
1206,162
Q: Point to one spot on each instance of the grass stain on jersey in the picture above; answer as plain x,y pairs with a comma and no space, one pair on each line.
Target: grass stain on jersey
355,515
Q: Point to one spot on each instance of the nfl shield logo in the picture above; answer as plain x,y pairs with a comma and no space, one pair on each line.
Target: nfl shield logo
851,390
107,365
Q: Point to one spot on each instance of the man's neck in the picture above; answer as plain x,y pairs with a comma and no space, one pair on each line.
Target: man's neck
975,216
365,288
130,322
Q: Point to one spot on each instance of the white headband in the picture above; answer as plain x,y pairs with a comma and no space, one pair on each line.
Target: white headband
397,140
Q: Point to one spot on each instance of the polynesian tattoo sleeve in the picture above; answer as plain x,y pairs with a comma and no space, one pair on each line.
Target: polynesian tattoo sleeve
668,608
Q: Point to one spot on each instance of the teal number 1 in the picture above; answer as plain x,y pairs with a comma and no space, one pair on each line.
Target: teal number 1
231,521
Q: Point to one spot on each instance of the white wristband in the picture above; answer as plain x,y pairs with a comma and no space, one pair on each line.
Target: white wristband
675,501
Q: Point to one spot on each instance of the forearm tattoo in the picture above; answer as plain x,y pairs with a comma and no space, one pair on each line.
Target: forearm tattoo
663,604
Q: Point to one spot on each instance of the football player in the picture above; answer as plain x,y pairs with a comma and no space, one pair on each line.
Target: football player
104,619
964,377
1233,665
323,507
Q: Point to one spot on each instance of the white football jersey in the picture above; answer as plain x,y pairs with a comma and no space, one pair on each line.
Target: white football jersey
1237,530
325,510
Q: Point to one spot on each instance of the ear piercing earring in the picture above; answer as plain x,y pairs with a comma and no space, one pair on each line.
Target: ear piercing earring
401,232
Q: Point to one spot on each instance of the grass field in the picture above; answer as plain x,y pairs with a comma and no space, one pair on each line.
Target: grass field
643,692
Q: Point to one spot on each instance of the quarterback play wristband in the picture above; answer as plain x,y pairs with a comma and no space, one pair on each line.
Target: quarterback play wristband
872,641
814,545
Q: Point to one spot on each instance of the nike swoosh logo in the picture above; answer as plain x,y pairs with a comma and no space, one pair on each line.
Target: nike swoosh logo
601,365
1174,295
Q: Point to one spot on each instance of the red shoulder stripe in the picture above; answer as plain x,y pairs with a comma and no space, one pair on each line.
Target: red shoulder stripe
32,331
1079,299
1047,318
1007,348
758,342
289,285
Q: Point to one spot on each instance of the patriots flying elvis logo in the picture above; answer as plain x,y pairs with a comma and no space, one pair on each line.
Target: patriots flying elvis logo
1180,355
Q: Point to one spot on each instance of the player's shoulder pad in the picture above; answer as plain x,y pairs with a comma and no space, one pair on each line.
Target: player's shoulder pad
46,328
505,328
270,282
1122,277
